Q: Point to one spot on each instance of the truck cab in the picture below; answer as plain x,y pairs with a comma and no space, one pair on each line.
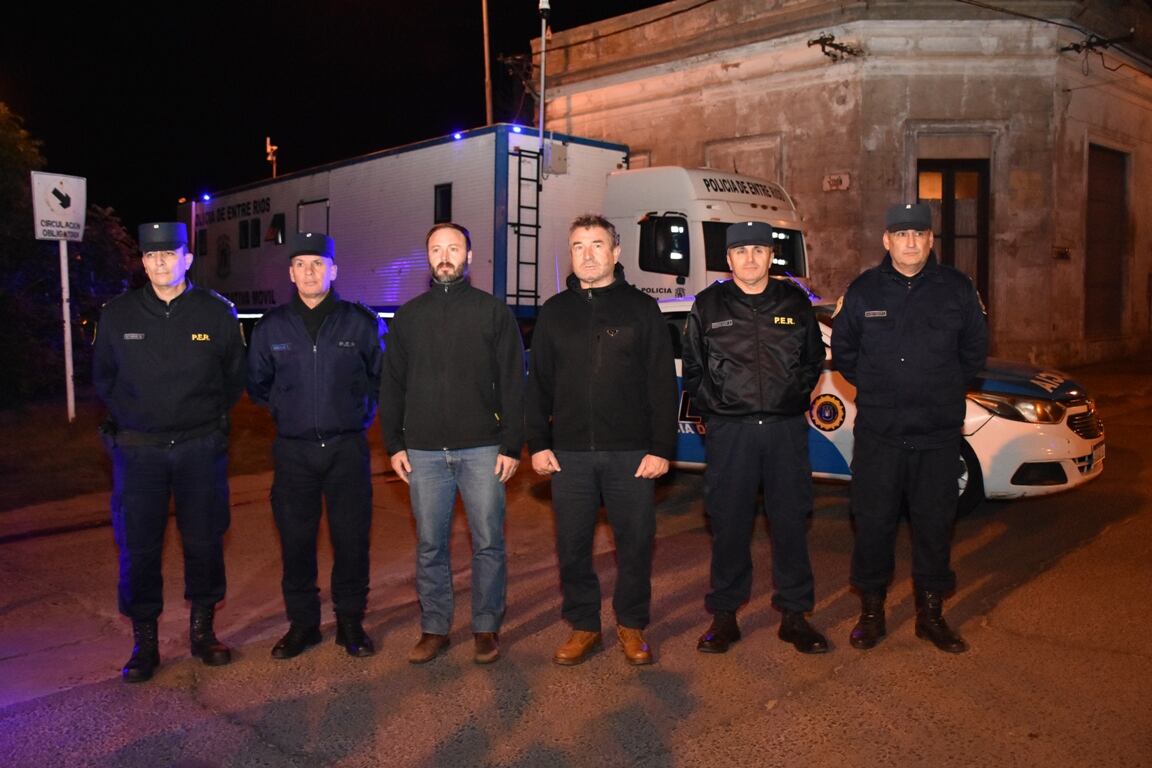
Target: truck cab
673,221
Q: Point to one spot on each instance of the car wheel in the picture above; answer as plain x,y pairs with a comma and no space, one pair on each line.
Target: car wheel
971,480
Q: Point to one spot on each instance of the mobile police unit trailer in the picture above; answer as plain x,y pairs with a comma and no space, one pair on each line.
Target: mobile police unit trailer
517,202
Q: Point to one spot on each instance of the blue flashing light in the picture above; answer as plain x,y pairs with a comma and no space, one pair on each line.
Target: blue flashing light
517,129
206,197
458,135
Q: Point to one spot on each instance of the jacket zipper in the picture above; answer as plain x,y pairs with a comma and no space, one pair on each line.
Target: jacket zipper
596,352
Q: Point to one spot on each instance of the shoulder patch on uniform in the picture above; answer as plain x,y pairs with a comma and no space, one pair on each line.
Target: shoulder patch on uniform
218,297
365,309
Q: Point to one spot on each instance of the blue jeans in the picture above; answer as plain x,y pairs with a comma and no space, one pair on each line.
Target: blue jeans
435,478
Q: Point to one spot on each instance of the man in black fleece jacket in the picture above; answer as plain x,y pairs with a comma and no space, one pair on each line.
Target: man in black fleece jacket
451,407
601,421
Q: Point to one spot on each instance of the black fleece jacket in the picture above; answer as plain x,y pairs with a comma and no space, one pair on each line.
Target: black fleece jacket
602,376
453,373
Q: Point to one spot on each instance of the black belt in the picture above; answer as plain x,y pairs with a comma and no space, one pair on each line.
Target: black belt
130,437
752,418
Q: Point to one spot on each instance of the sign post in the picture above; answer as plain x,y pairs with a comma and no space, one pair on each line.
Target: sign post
59,204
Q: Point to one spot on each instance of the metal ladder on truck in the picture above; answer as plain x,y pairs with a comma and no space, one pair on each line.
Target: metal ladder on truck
526,229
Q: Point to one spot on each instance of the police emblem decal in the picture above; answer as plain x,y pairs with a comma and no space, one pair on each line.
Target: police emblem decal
826,412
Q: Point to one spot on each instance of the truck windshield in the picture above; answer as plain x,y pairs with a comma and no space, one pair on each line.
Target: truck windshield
787,254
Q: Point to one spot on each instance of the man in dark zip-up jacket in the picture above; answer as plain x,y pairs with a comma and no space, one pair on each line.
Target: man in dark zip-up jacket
451,408
315,363
752,353
601,420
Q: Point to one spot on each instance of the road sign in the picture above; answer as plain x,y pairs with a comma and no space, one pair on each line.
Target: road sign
58,205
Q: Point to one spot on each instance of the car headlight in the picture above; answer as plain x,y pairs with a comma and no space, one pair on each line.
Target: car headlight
1028,409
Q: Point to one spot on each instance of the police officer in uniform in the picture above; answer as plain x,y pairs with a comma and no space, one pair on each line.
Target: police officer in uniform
315,363
752,354
909,334
169,365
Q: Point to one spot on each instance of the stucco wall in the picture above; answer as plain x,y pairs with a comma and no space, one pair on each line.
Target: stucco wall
740,82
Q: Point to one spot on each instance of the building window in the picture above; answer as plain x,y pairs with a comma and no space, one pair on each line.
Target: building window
958,193
249,234
442,203
276,230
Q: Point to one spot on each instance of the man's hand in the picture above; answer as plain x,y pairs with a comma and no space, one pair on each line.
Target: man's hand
651,467
544,462
400,465
506,467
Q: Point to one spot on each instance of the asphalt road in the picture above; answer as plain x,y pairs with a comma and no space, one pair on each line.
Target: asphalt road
1055,600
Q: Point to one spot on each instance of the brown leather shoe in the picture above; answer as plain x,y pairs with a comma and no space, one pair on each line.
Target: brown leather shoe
581,644
429,647
635,649
487,647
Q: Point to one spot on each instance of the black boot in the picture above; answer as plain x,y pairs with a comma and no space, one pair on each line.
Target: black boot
351,637
204,644
930,624
795,629
145,653
721,633
296,640
870,628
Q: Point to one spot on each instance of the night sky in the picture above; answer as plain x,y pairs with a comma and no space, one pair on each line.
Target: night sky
160,101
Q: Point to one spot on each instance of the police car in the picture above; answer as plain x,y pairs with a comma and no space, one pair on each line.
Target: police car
1027,431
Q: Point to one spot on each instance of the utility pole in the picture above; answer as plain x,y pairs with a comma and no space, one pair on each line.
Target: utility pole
487,68
545,12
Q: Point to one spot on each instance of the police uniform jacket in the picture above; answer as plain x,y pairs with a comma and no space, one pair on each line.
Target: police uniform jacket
752,355
168,367
323,388
602,375
453,373
910,345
